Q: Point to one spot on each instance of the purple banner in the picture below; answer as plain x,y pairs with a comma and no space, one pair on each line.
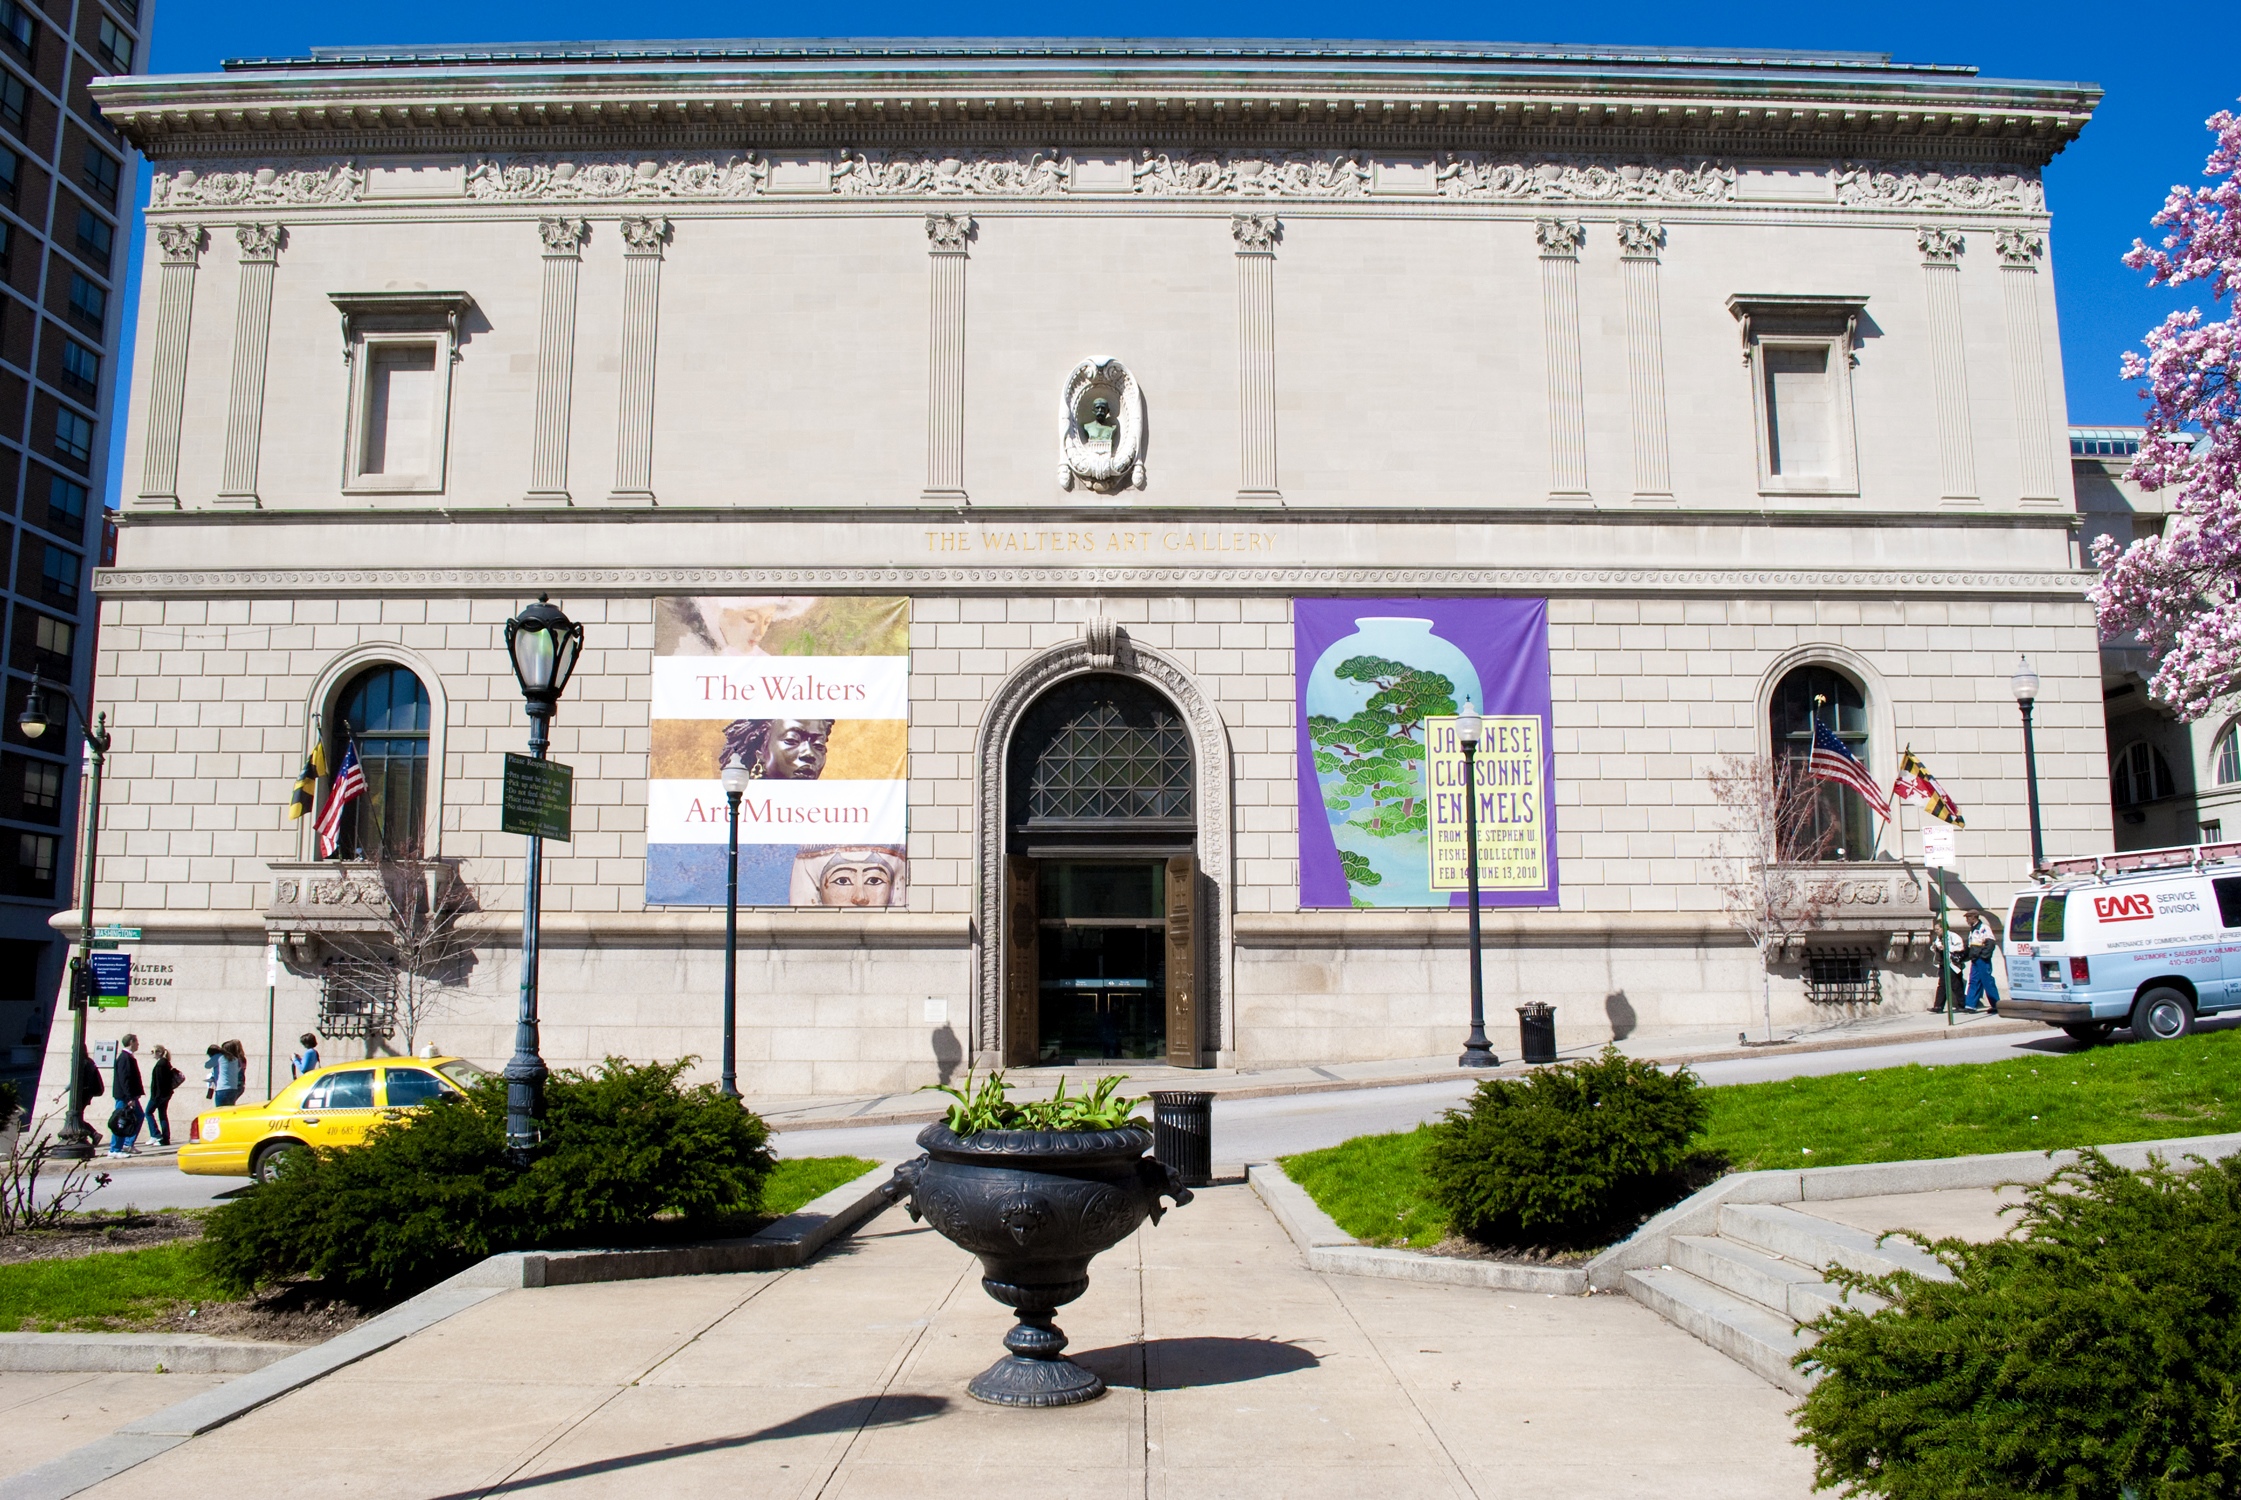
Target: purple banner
1369,673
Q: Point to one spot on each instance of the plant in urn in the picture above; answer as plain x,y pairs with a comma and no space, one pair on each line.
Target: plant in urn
1036,1190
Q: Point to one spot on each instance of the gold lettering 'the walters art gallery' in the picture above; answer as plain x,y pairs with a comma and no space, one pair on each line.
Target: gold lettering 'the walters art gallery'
1103,544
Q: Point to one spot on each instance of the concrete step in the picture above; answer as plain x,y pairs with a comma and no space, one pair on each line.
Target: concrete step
1818,1243
1745,1331
1772,1282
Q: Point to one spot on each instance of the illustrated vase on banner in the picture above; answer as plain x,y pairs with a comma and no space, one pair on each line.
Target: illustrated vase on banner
1367,698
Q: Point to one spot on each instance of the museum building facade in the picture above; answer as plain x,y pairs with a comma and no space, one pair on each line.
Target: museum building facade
1081,486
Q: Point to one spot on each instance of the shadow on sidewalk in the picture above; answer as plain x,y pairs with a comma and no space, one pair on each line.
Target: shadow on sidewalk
1178,1364
852,1415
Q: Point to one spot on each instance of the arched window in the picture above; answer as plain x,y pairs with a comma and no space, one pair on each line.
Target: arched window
384,710
2225,756
1825,695
2140,774
1100,750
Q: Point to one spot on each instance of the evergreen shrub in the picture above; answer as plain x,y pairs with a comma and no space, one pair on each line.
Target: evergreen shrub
629,1153
1570,1154
2094,1353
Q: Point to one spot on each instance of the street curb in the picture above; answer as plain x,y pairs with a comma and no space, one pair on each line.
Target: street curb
171,1353
789,1242
1332,1250
1448,1074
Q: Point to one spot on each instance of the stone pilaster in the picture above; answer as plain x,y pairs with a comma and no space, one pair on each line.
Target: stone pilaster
1949,363
1567,383
634,422
1640,241
181,247
252,341
2020,252
947,239
1256,236
556,359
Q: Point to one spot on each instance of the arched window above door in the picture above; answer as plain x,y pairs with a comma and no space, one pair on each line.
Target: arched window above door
384,710
1100,750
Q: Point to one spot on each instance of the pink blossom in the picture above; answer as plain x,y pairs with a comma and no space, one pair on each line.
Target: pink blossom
2180,593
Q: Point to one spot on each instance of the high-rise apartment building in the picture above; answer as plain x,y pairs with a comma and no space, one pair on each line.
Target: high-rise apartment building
65,229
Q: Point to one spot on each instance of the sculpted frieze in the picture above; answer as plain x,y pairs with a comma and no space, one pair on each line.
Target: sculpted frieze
1583,179
613,176
961,174
188,186
1925,185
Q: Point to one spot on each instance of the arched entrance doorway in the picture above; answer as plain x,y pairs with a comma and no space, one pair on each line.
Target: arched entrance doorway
1101,877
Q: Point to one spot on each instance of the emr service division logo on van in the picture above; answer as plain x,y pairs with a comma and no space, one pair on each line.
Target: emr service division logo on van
2137,907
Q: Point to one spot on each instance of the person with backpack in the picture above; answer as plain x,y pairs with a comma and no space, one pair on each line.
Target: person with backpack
89,1089
127,1088
163,1082
233,1073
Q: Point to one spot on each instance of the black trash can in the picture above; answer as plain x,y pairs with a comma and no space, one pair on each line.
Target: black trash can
1536,1031
1183,1135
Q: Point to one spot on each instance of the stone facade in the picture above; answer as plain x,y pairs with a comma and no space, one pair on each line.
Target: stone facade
813,350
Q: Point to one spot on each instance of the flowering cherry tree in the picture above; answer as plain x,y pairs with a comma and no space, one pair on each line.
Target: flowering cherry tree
2180,592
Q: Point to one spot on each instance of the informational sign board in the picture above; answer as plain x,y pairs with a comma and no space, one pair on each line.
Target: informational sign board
112,977
104,1054
1937,847
1512,834
537,798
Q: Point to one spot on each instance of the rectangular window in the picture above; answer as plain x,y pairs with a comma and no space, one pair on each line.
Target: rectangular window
81,367
15,98
41,796
2212,830
73,436
95,238
1799,442
98,171
1798,353
2229,901
116,47
34,871
51,641
58,574
89,304
11,173
2020,920
400,410
66,505
17,28
2050,918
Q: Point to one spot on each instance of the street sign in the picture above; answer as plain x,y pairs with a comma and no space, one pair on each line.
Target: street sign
112,977
1937,847
101,945
118,934
536,798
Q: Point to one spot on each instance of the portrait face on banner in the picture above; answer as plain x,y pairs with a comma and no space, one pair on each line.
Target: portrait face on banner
1383,791
811,695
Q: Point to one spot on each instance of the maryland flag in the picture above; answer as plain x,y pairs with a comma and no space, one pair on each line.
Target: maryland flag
1915,780
305,793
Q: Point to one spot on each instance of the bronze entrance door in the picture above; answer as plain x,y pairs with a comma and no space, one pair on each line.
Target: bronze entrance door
1100,945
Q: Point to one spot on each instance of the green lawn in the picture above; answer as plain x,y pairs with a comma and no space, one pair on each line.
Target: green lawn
1373,1186
122,1289
798,1180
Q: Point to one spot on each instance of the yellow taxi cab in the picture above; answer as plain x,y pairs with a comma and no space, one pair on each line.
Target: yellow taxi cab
328,1107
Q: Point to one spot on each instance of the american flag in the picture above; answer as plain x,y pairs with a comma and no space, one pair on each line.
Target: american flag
1830,761
350,784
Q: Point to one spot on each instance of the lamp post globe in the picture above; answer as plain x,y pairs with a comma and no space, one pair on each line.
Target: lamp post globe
1468,726
2025,685
542,643
735,778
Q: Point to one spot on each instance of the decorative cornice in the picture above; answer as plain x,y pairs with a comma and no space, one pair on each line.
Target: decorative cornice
259,242
1941,247
507,582
1640,239
181,244
564,237
1256,234
1559,239
1348,174
644,236
2020,248
948,234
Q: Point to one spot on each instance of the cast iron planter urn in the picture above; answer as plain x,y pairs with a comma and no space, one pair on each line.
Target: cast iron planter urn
1035,1206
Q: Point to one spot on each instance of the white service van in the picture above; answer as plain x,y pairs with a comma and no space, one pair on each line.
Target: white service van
2149,939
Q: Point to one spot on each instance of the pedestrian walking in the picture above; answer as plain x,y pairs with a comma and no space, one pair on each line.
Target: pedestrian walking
211,1067
128,1089
304,1061
1955,978
163,1082
233,1072
89,1089
1984,944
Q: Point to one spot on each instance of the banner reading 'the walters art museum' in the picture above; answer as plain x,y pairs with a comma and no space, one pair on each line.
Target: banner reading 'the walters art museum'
1381,782
812,697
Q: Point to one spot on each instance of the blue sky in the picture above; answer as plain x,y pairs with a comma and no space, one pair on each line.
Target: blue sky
2161,82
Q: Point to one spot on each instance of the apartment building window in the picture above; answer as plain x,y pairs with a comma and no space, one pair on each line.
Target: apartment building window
11,172
31,789
66,505
1799,352
401,347
81,368
15,98
98,171
33,874
95,238
89,304
17,29
2141,774
116,47
43,644
73,436
58,574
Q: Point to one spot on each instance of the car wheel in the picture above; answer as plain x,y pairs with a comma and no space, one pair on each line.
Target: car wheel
2161,1016
2090,1032
266,1166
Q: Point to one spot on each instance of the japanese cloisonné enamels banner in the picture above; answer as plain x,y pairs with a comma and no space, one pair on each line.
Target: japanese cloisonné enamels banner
1382,804
812,697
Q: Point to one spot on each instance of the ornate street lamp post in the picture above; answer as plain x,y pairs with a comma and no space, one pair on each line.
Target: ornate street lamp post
735,778
72,1141
543,644
2025,682
1476,1053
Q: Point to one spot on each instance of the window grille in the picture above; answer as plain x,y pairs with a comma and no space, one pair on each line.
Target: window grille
1102,749
357,998
1842,976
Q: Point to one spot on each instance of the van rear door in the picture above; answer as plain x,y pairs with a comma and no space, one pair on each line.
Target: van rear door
2023,970
2228,891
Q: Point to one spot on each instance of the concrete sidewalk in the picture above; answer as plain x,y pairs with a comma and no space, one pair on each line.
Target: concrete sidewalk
828,1111
1236,1372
